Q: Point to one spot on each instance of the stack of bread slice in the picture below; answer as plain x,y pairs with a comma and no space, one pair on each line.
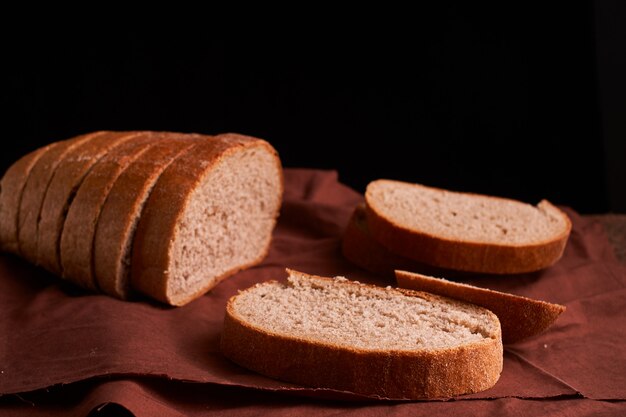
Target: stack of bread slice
414,227
165,214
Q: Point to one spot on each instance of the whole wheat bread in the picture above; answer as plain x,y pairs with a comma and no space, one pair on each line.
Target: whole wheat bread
339,334
174,217
520,317
462,231
120,213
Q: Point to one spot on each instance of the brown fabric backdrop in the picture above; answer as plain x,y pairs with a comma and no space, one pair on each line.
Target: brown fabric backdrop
68,350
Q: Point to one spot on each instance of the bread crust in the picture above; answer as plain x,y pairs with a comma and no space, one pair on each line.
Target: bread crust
387,374
123,207
77,236
11,188
466,255
35,190
520,317
151,256
63,185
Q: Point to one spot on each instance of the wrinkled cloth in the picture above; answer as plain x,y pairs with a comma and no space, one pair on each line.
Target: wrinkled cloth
69,350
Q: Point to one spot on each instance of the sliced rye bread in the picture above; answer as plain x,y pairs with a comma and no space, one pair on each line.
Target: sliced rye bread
217,205
35,190
122,208
11,188
77,236
68,176
462,231
374,341
520,317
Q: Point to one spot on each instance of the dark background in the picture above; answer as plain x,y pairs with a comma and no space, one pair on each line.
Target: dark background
524,102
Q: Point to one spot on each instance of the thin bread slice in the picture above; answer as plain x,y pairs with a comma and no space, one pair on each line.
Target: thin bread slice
359,247
66,180
520,317
466,232
217,205
11,188
122,208
35,191
76,244
374,341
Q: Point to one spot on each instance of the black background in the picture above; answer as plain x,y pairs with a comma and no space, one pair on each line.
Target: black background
495,101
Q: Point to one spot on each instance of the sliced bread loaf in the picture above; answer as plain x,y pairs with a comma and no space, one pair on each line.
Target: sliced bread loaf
11,188
467,232
76,244
520,317
339,334
35,190
210,214
115,230
68,176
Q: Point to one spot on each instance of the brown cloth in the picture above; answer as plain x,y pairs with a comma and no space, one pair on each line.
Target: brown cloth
70,351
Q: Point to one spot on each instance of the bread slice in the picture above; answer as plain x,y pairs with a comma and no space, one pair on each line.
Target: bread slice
77,236
359,247
384,342
122,208
467,232
520,317
11,188
210,214
67,177
35,190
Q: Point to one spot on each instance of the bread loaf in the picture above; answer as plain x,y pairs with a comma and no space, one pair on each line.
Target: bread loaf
466,232
520,317
171,213
339,334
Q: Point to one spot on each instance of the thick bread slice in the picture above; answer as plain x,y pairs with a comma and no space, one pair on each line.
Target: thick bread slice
76,245
66,179
210,214
122,208
339,334
35,190
519,316
467,232
359,247
11,188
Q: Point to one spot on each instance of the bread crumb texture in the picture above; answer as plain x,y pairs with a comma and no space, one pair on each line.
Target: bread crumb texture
361,316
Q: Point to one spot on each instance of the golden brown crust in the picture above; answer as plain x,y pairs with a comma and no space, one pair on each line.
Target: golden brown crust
387,374
520,317
77,236
11,188
123,206
151,253
35,191
66,179
465,255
